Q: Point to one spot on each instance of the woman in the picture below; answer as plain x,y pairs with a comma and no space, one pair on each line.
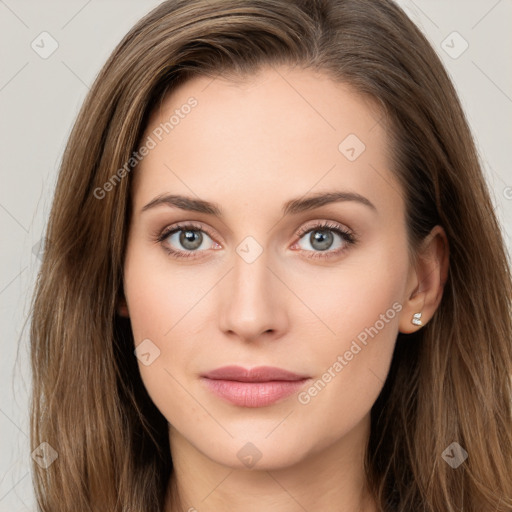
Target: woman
274,277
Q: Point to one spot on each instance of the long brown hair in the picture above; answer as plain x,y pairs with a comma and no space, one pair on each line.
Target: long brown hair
448,382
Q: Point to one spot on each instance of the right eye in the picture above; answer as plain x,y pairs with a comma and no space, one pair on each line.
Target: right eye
183,240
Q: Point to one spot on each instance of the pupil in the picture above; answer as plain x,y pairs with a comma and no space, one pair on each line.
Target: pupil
191,239
321,240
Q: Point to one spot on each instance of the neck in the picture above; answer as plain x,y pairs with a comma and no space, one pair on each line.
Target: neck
331,478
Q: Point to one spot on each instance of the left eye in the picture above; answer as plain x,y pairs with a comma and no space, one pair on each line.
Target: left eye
323,238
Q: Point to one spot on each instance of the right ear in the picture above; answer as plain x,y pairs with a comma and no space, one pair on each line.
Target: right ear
122,306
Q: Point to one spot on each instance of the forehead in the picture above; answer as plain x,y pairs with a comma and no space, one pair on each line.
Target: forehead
280,132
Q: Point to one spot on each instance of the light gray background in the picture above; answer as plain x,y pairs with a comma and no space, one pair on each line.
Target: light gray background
39,99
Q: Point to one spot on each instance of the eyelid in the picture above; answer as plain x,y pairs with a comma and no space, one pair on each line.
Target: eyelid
161,235
181,226
325,224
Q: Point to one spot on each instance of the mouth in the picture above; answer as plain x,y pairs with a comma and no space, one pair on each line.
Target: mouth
255,387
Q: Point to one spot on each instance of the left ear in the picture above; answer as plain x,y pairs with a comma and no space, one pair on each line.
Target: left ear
426,280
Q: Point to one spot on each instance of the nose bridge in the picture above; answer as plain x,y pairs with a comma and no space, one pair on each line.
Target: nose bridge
251,279
252,301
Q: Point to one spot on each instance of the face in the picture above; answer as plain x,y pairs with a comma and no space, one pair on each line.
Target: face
298,261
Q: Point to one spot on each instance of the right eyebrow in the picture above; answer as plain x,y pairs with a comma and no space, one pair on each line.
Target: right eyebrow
185,203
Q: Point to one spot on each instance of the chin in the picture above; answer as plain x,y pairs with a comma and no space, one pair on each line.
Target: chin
255,453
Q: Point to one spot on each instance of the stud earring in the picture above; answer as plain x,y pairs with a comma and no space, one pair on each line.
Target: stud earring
416,319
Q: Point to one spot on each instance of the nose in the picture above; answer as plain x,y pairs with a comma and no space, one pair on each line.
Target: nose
253,303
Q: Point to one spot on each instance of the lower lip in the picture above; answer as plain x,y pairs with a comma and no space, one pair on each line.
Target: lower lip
253,394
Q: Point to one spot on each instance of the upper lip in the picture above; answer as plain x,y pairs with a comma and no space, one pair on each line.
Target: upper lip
257,374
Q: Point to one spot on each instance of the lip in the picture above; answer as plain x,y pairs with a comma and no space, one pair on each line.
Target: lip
253,387
256,374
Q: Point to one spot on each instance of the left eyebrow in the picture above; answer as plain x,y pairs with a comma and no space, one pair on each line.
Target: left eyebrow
315,201
291,207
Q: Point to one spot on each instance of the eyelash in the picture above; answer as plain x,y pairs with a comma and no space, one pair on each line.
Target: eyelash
348,237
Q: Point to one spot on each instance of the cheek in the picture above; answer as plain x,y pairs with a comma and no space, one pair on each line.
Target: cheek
160,296
352,296
165,306
360,306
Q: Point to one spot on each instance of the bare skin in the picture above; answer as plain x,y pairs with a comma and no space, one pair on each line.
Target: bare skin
299,305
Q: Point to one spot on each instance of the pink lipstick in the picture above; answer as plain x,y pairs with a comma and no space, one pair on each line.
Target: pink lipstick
255,387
